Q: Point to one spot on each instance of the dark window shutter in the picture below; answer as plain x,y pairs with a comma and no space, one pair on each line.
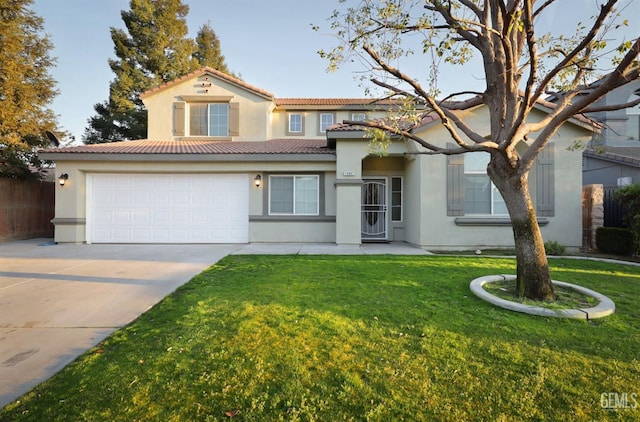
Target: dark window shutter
545,186
455,184
178,118
234,119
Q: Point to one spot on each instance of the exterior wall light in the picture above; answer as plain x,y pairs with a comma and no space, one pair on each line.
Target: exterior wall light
63,179
257,180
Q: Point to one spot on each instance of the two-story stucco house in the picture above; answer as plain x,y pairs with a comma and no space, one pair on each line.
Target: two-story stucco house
226,162
613,156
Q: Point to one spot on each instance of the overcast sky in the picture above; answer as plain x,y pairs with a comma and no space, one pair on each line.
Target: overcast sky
269,43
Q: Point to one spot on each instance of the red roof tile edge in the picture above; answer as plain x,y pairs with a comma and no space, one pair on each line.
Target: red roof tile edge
144,146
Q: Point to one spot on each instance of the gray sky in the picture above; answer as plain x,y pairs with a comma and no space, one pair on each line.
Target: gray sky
269,43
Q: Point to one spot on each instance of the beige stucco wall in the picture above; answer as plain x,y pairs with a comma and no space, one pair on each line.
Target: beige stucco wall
425,222
280,120
71,200
293,232
255,123
436,230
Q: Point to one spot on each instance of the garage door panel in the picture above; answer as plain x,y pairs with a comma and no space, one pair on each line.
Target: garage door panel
168,208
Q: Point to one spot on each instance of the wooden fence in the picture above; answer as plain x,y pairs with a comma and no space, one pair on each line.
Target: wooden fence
26,209
614,213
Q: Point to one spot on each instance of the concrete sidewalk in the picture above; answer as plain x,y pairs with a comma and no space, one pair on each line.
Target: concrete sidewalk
57,301
393,248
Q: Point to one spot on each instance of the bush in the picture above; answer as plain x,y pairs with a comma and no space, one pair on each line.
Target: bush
552,247
615,240
629,196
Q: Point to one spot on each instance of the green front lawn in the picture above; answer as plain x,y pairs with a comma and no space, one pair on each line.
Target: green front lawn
331,338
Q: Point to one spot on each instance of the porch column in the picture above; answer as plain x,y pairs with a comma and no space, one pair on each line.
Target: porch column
348,215
349,156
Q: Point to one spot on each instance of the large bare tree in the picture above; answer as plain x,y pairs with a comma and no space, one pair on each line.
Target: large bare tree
521,68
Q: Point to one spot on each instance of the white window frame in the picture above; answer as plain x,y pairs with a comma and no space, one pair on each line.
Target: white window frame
358,117
494,194
208,116
401,204
294,176
323,126
633,119
289,126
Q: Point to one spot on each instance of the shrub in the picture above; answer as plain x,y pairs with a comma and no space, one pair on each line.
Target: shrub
552,247
615,240
629,196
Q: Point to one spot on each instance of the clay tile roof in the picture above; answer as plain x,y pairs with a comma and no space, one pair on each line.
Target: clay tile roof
213,72
144,146
623,155
402,124
283,102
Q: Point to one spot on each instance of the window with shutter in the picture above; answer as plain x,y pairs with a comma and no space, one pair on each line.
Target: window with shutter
178,118
206,116
545,182
455,184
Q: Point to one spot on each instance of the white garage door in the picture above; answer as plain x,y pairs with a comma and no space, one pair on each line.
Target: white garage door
168,208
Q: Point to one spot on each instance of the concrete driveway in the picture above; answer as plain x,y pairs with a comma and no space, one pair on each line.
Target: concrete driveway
57,301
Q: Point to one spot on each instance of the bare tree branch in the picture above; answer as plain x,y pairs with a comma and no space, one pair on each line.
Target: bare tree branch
443,110
473,7
612,107
453,22
377,124
420,91
625,72
533,70
605,10
542,7
461,104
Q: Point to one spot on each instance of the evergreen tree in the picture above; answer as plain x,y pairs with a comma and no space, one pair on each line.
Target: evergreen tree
154,49
26,88
208,49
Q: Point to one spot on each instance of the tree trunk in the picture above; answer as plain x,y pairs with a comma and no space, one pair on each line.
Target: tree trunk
533,276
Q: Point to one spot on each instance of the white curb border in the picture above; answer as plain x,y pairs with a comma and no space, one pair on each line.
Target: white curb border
604,308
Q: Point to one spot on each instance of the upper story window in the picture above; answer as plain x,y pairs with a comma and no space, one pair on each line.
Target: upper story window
209,119
295,124
326,120
206,116
633,116
480,194
358,117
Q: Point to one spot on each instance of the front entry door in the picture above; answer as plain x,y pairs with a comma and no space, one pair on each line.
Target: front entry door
374,209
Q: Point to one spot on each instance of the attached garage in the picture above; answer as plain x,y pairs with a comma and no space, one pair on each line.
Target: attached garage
167,208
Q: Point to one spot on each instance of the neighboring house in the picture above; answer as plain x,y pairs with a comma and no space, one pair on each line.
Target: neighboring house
226,162
613,156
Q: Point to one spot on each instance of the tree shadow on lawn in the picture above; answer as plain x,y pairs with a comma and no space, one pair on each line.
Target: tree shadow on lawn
409,295
397,337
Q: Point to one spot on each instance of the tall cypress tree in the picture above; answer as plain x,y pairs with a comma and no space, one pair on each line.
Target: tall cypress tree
154,49
26,87
208,51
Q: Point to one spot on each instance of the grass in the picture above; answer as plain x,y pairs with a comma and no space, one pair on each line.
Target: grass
329,338
565,298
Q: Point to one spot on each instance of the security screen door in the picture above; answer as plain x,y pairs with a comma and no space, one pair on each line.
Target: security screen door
374,209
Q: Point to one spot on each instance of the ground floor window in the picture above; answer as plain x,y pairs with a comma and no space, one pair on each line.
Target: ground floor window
480,194
396,199
293,194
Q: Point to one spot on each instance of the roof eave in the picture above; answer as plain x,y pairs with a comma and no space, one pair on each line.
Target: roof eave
347,107
128,157
583,122
214,73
